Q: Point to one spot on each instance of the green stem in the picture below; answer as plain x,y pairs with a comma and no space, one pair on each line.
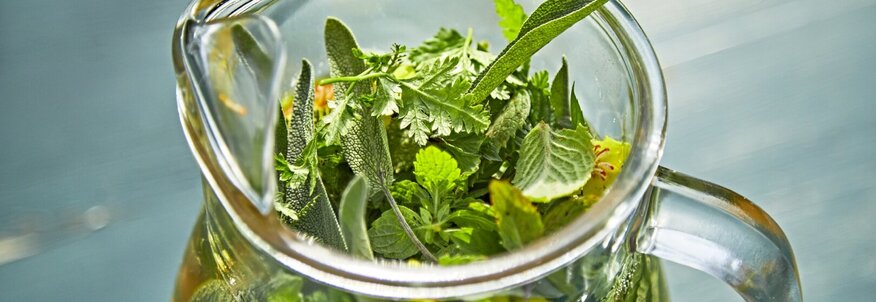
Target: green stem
352,79
404,224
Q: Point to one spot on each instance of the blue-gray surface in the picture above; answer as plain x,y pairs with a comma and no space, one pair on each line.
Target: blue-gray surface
774,99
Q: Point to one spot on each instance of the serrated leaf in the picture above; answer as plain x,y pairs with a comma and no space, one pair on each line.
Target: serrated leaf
436,169
407,193
554,164
352,213
517,219
512,18
548,21
511,119
389,239
560,98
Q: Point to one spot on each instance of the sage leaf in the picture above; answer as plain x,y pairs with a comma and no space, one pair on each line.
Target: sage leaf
553,164
548,21
364,139
339,45
313,212
352,213
518,221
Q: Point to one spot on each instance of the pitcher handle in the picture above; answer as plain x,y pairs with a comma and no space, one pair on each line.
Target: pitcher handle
712,229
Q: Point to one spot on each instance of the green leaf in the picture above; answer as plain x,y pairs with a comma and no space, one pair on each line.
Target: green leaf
307,208
512,18
448,260
554,163
436,170
282,288
576,114
511,119
339,45
482,238
560,98
352,216
517,219
407,193
364,138
548,21
539,88
315,215
561,213
440,108
389,239
465,149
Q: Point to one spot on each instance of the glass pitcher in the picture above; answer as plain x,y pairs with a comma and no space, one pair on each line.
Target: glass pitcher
240,251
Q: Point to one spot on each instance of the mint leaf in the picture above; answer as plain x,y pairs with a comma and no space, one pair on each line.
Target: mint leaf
554,163
560,98
540,89
352,217
548,21
512,18
517,219
389,239
511,119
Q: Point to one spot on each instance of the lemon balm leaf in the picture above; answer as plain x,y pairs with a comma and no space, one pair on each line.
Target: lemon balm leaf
518,221
389,239
552,163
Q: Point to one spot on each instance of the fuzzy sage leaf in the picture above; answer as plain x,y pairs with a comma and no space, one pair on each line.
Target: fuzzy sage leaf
548,21
314,214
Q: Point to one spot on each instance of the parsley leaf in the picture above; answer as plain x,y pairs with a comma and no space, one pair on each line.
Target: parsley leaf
512,17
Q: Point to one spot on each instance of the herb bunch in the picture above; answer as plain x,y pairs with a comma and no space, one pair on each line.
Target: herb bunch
443,152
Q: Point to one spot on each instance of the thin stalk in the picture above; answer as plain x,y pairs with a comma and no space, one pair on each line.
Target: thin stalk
404,224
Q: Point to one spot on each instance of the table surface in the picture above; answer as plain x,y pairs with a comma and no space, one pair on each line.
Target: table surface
98,190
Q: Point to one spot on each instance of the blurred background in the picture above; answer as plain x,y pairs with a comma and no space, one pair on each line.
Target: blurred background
98,190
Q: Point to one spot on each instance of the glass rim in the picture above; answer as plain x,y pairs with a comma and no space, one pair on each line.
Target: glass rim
400,280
